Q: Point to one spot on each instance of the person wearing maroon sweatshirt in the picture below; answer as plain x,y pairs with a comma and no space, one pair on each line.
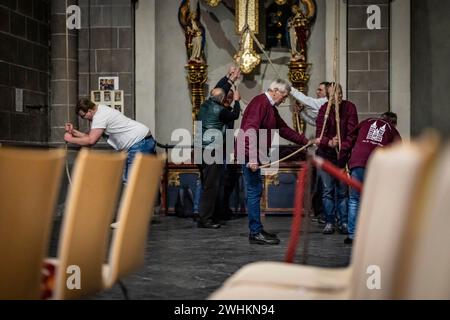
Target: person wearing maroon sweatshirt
334,192
261,113
369,135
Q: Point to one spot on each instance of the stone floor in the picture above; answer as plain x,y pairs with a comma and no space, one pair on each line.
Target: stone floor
184,262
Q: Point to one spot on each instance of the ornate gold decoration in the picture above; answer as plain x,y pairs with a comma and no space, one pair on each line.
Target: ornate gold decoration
247,58
299,31
299,78
250,16
195,42
212,3
197,76
280,2
273,180
174,179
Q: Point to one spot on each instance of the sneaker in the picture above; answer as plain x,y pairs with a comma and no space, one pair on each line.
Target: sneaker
343,228
322,220
329,229
348,240
260,238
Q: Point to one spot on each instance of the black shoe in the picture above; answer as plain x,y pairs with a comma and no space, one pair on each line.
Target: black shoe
269,235
322,220
343,228
208,225
348,240
259,238
329,229
221,221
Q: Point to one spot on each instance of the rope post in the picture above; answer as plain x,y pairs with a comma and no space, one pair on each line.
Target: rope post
298,212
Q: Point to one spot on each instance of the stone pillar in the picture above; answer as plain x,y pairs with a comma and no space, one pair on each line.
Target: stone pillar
64,86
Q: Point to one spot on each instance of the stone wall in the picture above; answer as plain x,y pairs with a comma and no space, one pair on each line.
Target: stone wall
106,47
368,59
24,64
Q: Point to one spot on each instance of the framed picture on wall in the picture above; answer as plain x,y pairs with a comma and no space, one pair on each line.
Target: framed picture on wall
112,99
108,83
96,96
117,96
107,96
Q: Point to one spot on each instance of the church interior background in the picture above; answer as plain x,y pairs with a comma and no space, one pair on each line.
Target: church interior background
401,65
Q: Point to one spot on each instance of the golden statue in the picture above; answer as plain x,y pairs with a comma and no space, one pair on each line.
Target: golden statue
194,32
299,27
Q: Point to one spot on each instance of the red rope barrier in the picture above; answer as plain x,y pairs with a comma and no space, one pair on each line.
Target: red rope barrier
338,173
298,212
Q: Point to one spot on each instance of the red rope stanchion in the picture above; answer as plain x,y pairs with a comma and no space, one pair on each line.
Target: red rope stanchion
337,173
298,211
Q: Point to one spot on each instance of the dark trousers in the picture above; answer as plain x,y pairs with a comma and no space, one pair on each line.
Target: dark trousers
230,182
211,175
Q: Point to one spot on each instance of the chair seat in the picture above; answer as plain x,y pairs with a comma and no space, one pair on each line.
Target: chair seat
252,291
291,276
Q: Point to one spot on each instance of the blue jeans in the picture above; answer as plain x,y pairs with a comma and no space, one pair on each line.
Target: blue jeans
145,146
333,188
254,187
197,195
353,201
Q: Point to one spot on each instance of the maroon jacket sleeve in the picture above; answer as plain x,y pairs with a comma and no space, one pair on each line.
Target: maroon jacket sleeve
253,117
352,122
288,133
397,137
349,142
320,123
352,129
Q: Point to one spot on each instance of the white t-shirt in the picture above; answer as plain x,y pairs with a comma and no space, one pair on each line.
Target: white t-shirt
312,105
122,131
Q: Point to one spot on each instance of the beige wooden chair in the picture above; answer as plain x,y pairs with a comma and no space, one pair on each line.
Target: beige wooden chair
392,187
84,234
29,184
425,271
131,229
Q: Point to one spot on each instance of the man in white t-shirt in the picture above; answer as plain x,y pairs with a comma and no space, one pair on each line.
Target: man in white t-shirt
123,133
312,105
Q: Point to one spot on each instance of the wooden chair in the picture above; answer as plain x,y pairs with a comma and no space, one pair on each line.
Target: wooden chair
29,184
89,211
131,229
392,188
425,271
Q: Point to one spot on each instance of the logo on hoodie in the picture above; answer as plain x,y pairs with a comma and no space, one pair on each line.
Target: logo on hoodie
375,133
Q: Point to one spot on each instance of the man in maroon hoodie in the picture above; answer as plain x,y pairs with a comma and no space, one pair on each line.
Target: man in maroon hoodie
261,113
361,142
334,192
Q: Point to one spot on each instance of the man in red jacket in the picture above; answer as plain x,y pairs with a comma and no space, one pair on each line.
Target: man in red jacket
361,142
261,113
334,192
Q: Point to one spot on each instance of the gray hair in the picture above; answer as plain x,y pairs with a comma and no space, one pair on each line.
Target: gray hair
217,95
280,85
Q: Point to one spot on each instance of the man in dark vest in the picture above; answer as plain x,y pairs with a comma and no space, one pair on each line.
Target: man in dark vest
214,117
